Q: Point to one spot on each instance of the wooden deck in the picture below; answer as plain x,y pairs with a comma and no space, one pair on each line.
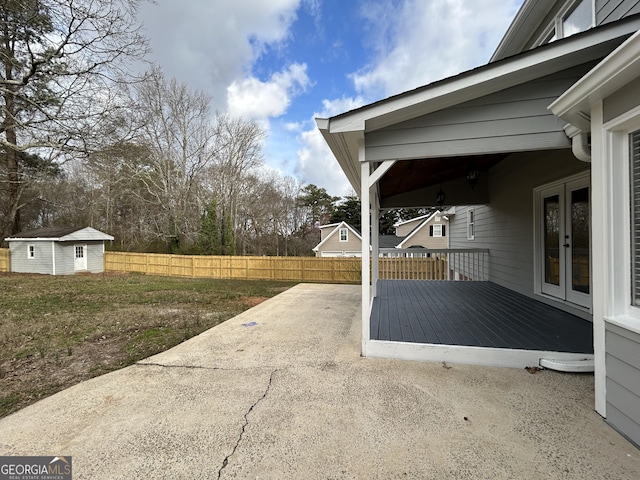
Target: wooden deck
473,314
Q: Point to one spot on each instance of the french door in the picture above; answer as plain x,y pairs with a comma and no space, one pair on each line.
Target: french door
566,241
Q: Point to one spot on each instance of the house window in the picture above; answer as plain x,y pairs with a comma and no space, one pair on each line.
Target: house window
344,234
634,140
574,17
31,251
437,230
578,20
471,221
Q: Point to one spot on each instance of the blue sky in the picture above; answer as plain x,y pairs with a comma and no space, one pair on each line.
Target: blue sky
285,62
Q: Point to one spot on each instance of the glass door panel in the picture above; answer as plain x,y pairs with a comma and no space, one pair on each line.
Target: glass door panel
551,214
580,240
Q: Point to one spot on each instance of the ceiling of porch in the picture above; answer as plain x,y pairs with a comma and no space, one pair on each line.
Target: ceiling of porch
410,175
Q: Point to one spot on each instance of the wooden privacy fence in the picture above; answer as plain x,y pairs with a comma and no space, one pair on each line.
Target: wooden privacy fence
5,260
295,269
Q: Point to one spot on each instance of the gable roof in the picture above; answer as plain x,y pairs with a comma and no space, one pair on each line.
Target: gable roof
336,229
61,234
343,133
418,228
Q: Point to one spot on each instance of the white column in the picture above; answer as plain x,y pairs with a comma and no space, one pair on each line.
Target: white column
365,220
599,252
375,244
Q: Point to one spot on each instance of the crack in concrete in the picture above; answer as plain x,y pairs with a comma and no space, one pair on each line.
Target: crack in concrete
225,462
194,367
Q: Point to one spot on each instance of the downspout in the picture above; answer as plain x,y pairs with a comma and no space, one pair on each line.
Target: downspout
581,147
580,141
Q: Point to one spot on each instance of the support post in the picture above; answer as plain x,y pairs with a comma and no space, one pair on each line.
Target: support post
366,260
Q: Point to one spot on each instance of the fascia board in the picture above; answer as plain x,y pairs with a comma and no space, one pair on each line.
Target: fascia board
37,239
524,24
341,145
615,71
427,216
484,80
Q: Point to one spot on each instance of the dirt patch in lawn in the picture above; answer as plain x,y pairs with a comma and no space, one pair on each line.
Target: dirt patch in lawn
58,331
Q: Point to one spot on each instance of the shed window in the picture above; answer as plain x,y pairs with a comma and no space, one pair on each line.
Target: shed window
31,251
344,234
634,141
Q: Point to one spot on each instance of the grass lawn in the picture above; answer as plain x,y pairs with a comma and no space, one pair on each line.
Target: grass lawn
58,331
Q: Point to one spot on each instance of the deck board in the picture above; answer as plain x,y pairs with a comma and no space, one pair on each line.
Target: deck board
480,314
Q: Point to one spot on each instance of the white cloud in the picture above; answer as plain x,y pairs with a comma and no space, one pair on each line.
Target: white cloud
418,42
316,164
252,98
209,43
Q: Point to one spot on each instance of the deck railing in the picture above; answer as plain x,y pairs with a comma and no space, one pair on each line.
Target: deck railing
453,264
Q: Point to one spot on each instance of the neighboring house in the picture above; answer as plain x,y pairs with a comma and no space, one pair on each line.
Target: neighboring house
552,126
427,231
58,250
338,240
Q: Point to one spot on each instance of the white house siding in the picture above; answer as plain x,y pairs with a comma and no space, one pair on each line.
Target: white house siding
515,119
623,380
505,226
612,10
41,263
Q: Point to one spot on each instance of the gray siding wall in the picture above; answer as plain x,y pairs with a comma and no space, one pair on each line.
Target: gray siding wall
20,263
65,258
625,99
505,225
515,119
611,10
623,381
95,260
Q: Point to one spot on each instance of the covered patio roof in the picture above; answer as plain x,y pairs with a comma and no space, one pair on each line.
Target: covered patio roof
422,147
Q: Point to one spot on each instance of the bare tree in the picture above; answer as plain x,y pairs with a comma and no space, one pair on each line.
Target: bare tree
177,130
58,62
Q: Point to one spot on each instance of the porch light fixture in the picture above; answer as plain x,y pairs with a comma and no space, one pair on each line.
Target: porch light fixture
473,175
440,197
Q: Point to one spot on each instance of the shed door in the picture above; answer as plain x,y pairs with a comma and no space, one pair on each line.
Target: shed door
80,262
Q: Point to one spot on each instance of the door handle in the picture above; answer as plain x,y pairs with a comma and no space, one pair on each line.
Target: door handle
566,245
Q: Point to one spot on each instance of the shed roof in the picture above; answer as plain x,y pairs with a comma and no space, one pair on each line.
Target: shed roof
60,234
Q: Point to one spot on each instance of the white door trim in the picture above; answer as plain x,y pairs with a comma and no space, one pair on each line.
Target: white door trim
562,291
79,262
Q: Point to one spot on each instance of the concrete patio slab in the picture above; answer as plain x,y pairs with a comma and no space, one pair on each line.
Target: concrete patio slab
281,391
